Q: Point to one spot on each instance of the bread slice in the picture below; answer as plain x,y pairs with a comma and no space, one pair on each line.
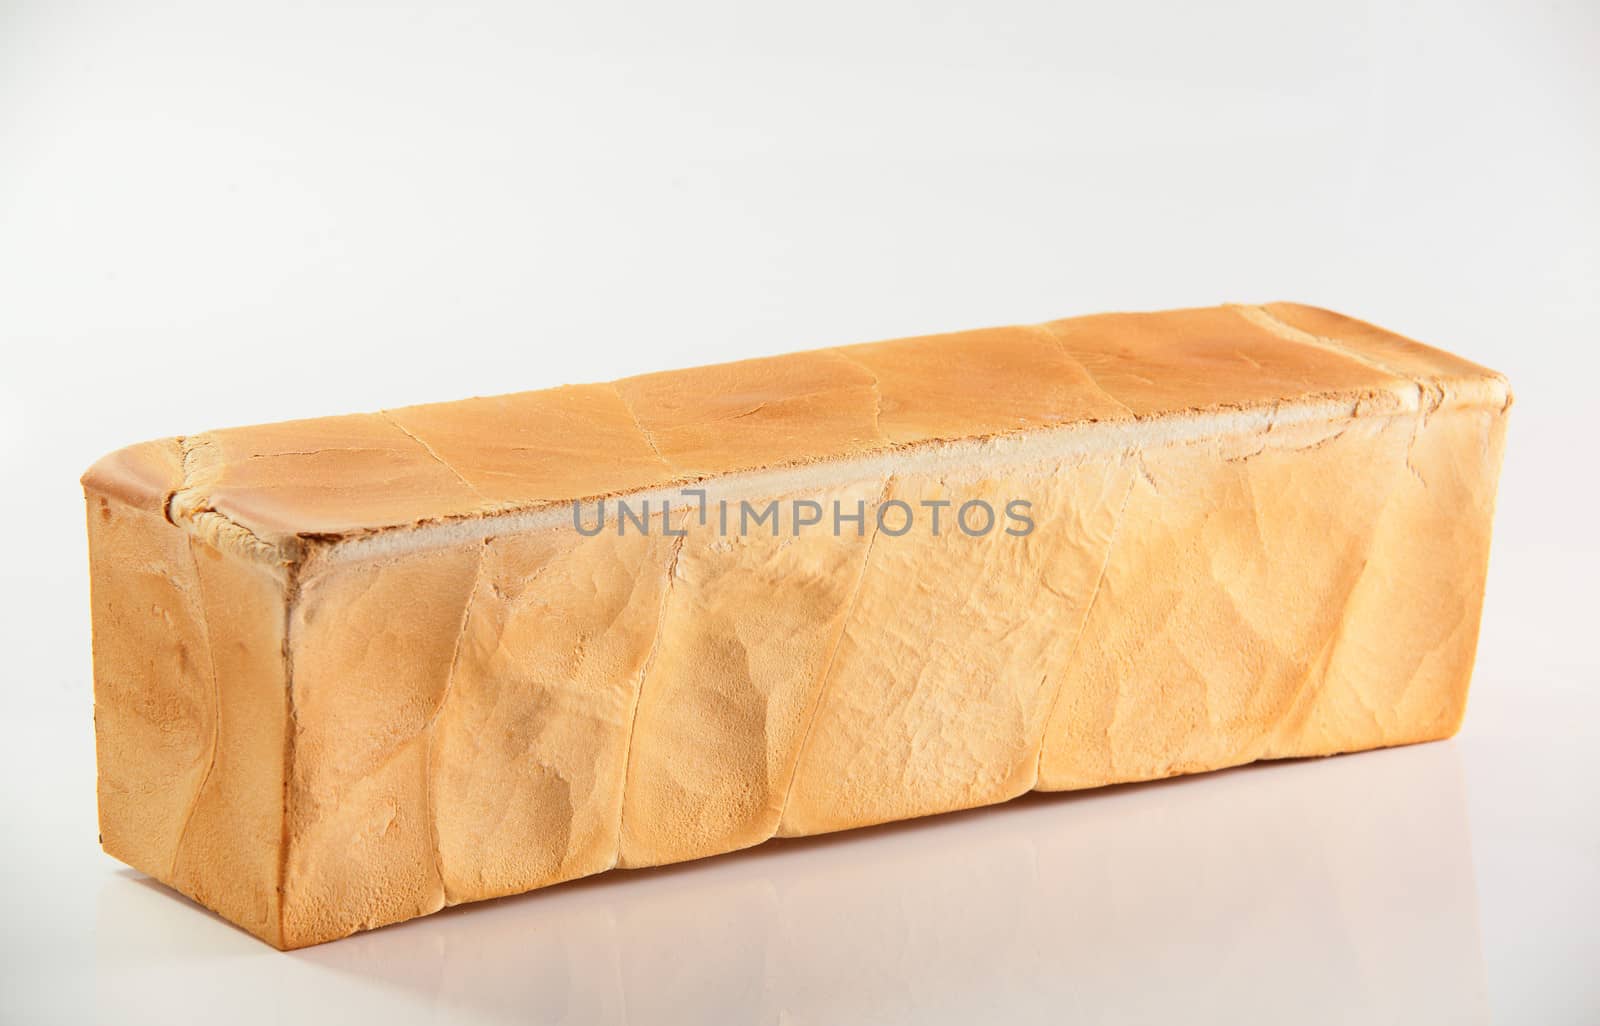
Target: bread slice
351,670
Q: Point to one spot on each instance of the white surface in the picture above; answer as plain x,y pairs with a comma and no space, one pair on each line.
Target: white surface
226,213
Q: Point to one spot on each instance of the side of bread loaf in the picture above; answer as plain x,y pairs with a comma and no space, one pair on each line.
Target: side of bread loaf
191,709
320,709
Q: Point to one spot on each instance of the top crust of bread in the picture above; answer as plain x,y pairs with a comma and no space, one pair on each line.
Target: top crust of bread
272,492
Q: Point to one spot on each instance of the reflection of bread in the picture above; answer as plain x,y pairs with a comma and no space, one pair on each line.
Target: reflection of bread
350,670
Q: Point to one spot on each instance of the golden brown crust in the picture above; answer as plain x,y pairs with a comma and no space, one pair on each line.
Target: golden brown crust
364,473
142,476
190,707
351,670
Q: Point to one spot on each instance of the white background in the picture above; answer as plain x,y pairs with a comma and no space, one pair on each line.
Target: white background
216,213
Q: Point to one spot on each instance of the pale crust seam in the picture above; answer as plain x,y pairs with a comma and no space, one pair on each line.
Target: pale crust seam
188,506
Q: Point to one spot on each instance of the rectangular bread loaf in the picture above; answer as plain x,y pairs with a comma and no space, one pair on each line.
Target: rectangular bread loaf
352,670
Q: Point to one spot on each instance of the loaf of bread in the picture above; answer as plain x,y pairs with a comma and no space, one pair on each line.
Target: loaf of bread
352,670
